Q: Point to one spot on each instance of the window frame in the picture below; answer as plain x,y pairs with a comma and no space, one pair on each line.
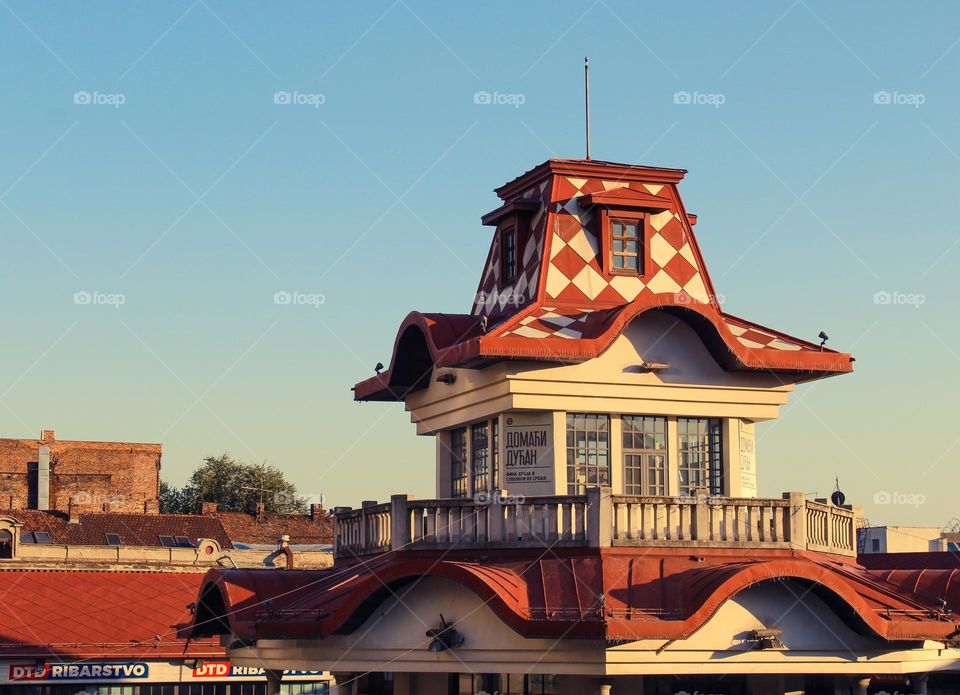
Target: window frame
480,466
460,462
509,231
712,468
573,449
645,455
608,216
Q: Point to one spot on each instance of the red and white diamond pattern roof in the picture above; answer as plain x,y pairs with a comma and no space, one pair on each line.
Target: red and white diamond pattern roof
566,305
575,274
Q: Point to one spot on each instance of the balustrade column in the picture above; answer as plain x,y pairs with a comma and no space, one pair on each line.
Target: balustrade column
599,517
798,519
400,534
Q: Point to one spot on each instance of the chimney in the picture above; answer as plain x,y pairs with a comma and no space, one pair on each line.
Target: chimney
316,512
48,436
151,506
43,477
208,508
284,545
73,509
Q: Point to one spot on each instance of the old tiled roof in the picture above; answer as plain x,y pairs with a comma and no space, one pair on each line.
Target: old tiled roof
134,529
126,615
615,594
247,529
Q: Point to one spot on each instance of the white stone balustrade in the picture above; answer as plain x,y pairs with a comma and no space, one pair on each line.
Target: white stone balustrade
597,519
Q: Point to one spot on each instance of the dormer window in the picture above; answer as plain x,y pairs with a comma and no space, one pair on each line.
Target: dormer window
508,255
626,244
622,215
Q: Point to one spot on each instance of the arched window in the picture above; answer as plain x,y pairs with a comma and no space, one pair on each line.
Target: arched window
6,545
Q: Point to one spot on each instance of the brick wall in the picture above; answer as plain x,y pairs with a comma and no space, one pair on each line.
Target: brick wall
115,476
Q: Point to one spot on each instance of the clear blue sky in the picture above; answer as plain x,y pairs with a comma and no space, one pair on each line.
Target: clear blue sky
198,197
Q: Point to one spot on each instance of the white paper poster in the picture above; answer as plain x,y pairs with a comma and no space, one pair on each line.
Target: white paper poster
528,454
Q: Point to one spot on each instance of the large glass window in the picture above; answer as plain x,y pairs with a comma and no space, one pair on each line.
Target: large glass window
480,456
644,455
588,451
458,462
701,465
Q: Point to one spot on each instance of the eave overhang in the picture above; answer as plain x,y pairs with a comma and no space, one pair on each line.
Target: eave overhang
559,596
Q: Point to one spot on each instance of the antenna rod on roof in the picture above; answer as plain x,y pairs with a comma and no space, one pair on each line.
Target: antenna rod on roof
586,96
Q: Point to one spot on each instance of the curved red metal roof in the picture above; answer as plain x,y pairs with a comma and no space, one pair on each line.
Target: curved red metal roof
613,594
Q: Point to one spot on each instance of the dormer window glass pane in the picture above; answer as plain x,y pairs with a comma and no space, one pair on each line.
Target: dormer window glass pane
625,239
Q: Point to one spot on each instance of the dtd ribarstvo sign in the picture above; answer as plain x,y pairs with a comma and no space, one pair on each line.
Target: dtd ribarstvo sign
79,672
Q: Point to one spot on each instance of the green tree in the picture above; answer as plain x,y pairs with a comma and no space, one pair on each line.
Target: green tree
235,486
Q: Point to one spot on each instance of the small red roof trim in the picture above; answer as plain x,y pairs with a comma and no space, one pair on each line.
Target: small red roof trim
628,198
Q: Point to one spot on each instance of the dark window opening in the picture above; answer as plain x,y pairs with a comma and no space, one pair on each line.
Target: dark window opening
113,539
6,545
41,537
183,542
508,255
167,541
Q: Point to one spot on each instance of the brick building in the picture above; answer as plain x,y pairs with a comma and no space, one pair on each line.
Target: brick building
104,476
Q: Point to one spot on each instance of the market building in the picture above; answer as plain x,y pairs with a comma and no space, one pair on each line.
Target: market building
118,633
596,526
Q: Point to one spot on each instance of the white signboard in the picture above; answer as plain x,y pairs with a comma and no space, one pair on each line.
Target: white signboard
748,460
528,454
